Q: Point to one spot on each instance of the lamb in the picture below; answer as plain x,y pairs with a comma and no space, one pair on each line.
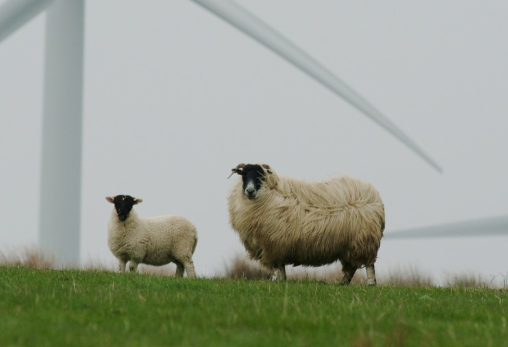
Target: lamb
157,240
285,221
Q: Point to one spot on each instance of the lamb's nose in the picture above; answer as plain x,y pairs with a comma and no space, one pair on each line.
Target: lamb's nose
250,190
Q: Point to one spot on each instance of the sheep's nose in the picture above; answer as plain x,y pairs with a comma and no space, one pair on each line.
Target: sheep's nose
250,193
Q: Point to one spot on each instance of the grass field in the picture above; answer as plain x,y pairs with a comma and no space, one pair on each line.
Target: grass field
101,308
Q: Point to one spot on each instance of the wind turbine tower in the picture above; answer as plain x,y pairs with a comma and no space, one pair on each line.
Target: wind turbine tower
60,197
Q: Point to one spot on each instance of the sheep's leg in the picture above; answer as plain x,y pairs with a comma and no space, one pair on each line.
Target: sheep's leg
282,270
179,269
279,274
121,264
189,268
348,271
371,275
133,266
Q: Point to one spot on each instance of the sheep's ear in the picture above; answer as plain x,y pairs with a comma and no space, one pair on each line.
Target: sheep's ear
267,168
237,170
137,201
111,199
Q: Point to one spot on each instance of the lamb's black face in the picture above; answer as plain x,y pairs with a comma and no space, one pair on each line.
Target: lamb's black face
123,205
253,177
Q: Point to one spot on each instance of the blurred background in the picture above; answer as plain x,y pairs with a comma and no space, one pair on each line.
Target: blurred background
174,98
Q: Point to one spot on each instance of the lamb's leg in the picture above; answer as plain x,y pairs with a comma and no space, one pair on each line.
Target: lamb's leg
179,269
371,275
279,274
348,271
133,266
189,268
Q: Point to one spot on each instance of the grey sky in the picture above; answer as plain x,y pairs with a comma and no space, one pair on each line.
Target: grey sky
175,97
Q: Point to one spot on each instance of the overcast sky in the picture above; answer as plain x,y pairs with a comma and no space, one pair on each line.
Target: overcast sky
174,98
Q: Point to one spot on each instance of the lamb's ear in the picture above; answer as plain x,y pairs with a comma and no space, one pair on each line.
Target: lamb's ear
111,199
267,168
137,201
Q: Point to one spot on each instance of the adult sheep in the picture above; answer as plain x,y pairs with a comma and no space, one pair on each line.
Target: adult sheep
283,221
156,240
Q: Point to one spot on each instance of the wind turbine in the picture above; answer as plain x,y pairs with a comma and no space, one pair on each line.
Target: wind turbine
492,226
60,195
62,117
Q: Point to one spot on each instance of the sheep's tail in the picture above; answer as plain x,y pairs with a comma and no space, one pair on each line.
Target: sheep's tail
383,222
195,243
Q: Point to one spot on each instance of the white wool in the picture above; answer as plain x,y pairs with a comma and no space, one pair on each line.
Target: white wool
293,221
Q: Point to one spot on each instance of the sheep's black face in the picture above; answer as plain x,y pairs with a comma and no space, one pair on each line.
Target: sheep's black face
253,177
123,205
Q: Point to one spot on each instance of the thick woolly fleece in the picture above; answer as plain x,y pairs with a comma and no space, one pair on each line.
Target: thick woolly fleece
309,223
154,241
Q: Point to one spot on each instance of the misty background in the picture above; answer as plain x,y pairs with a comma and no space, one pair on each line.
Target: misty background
174,98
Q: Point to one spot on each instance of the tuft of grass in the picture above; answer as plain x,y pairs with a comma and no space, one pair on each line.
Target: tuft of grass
244,268
465,281
103,308
241,267
30,257
33,257
409,277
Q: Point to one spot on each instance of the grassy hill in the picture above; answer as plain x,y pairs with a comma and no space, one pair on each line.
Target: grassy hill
101,308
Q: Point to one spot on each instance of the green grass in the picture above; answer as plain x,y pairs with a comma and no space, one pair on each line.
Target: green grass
99,308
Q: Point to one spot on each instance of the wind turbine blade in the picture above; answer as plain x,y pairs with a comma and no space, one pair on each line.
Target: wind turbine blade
254,27
15,13
478,227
